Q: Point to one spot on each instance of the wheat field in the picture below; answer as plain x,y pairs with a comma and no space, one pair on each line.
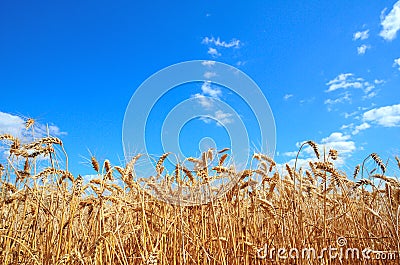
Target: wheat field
49,216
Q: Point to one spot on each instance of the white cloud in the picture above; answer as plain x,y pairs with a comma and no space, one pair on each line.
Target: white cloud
223,118
15,125
350,81
213,52
347,115
370,95
390,23
362,49
368,87
207,120
397,63
344,81
208,63
290,154
208,90
205,102
361,127
336,140
300,163
340,142
234,43
209,74
344,97
388,116
361,35
346,126
88,178
307,100
207,95
11,124
336,137
287,96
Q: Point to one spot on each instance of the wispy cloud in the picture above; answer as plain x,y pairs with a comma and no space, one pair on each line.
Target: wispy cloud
343,97
209,74
234,43
207,99
214,44
362,49
219,117
208,90
223,118
204,101
347,115
370,95
11,124
350,81
391,22
360,128
388,116
397,63
361,35
346,126
344,81
287,96
208,63
213,52
207,96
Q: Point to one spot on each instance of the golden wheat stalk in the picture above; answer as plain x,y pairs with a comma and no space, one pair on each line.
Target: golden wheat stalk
222,159
159,167
362,182
189,174
398,161
290,171
107,165
95,164
19,152
379,162
392,181
314,146
29,123
51,171
43,151
333,154
356,171
223,150
78,183
129,166
8,137
268,206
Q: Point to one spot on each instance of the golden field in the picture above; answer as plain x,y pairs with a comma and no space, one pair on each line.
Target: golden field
49,216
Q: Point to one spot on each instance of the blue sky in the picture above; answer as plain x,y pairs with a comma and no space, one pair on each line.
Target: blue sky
329,70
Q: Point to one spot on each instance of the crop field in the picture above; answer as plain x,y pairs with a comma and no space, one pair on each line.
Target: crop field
271,215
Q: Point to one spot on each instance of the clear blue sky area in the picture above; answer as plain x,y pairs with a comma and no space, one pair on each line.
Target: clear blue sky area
330,70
